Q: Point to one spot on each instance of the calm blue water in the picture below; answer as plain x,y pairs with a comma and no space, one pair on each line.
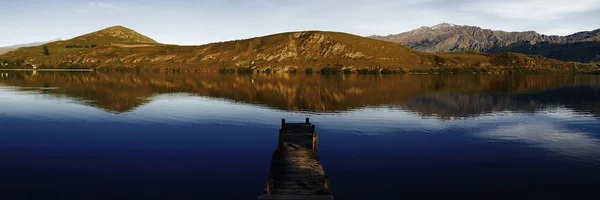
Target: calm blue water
185,145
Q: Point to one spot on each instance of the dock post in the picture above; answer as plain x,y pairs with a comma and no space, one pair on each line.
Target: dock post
270,186
315,142
307,121
280,140
283,124
326,184
313,128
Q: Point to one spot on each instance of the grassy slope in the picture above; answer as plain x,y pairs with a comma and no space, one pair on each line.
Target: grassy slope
4,50
105,39
122,47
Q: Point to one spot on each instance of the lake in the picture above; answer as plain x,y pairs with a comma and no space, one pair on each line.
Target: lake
86,135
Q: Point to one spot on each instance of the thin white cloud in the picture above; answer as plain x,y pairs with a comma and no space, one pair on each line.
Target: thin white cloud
532,9
564,30
102,5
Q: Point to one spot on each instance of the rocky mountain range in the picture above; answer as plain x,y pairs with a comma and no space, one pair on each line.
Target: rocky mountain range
581,47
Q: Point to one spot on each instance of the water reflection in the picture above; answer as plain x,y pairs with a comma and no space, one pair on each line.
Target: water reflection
549,136
491,115
446,97
582,98
187,134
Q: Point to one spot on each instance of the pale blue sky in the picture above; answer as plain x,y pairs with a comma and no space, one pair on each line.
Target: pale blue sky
192,22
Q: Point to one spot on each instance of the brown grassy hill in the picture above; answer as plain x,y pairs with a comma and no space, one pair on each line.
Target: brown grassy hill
119,47
285,50
114,35
63,52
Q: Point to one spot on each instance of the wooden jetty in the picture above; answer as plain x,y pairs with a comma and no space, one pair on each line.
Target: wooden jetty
296,171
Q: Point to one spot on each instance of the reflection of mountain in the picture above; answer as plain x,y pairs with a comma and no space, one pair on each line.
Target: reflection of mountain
449,105
440,95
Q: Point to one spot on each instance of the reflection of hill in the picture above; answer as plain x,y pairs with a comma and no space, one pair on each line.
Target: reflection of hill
450,105
579,98
425,94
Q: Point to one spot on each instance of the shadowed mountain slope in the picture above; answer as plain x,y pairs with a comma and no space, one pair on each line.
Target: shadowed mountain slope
446,37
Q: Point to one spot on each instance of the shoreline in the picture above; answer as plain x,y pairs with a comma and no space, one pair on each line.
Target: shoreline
69,70
314,73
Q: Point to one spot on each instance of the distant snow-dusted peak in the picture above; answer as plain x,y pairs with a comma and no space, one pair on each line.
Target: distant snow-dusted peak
443,26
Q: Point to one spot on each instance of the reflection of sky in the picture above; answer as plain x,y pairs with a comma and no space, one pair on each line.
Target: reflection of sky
34,105
558,130
551,137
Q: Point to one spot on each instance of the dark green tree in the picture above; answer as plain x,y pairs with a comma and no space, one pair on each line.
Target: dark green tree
386,71
46,51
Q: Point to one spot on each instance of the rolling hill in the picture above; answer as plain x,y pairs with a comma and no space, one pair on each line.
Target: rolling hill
446,37
115,35
122,48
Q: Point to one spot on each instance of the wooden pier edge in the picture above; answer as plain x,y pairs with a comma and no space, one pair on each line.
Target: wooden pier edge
296,172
